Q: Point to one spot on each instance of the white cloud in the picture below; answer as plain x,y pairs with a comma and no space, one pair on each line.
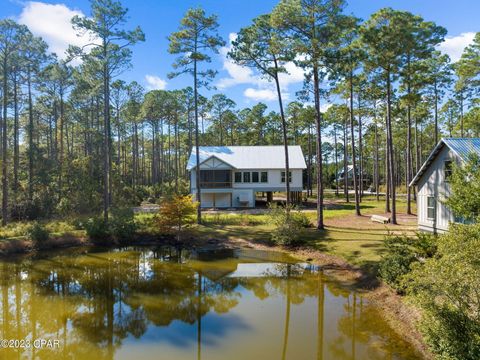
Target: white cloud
260,94
453,45
237,74
52,23
324,107
263,89
155,83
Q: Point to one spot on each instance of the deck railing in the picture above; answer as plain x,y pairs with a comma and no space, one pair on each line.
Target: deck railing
215,185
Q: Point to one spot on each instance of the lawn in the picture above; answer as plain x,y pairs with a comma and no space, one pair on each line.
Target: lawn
355,239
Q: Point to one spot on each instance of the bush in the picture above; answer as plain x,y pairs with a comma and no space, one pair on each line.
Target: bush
97,230
396,263
288,225
122,224
446,287
402,252
38,233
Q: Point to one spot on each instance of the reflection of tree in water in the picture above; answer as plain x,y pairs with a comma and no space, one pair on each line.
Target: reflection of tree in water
94,301
104,297
362,325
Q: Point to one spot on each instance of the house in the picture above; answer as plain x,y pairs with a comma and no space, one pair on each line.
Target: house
341,176
230,176
432,182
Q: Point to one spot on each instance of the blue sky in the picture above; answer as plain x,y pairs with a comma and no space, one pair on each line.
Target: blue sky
158,18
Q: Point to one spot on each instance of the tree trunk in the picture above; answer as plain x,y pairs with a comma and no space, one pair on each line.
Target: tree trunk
345,160
360,147
197,146
30,137
285,139
354,161
318,123
336,159
390,149
106,137
4,144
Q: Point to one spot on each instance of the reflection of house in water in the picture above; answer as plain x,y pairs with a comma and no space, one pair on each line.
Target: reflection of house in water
234,263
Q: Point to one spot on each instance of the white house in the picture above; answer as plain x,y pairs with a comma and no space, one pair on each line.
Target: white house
432,182
231,175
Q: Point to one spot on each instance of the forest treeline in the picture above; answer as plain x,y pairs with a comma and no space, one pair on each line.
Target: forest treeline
75,138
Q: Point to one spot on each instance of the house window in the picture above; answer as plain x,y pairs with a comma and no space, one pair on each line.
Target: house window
430,207
463,220
264,177
289,177
255,177
447,168
246,177
238,177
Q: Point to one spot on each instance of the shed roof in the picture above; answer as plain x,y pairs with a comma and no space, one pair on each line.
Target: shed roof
251,157
461,147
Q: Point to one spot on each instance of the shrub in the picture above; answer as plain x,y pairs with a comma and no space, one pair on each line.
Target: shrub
288,225
38,233
97,230
122,224
302,219
396,263
446,287
401,252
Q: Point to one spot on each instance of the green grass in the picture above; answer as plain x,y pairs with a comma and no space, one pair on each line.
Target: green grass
362,247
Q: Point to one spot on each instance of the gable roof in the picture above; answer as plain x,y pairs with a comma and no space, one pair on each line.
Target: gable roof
461,147
251,157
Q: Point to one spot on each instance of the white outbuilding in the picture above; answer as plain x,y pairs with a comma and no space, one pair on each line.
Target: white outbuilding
432,182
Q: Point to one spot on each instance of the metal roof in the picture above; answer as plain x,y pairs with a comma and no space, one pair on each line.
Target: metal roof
461,147
251,157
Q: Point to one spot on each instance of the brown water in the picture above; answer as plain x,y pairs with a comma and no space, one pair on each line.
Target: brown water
160,303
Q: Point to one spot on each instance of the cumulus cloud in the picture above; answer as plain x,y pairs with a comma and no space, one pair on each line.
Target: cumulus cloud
260,88
155,82
260,94
52,22
453,45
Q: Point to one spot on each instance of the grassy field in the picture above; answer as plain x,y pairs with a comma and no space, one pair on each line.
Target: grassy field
356,239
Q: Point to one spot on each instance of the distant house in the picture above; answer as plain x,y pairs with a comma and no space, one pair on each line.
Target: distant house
341,176
230,176
432,182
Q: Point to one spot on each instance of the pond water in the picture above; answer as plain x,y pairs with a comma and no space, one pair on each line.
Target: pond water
163,303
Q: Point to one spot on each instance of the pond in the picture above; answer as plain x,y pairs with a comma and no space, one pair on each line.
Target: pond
165,303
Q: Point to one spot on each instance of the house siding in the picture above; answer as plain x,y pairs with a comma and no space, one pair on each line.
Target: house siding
432,183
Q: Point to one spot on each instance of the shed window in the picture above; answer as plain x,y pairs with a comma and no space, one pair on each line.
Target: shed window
447,168
255,177
430,207
264,177
238,177
289,177
246,177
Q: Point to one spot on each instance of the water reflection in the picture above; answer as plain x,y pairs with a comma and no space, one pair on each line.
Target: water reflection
166,303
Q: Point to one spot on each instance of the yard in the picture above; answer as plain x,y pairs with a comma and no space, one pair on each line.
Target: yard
358,240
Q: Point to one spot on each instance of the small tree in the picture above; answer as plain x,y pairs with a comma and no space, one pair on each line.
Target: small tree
464,199
176,213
